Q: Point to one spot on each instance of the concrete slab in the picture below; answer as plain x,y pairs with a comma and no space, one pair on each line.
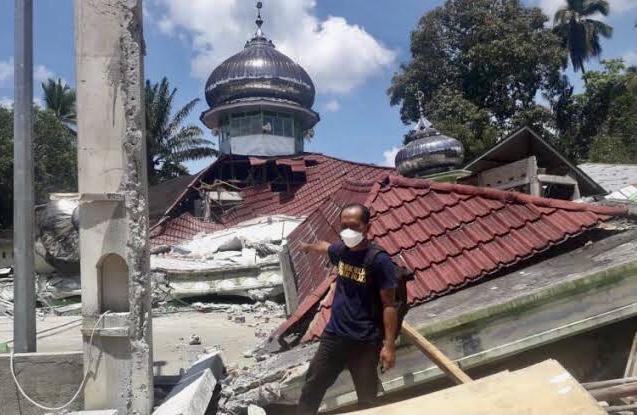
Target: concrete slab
193,399
49,378
210,361
102,412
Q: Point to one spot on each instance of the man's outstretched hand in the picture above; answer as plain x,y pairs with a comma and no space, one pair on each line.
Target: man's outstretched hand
320,247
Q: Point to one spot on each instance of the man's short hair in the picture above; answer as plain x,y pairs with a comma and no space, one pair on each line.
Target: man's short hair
364,211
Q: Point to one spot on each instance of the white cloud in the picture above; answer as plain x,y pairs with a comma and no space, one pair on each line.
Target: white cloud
338,55
332,106
616,6
41,73
6,69
630,57
6,102
166,25
38,102
389,156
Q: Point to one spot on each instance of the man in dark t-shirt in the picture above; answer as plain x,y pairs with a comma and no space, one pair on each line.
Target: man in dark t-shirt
361,330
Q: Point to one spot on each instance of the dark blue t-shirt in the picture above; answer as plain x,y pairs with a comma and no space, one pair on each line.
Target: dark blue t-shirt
356,308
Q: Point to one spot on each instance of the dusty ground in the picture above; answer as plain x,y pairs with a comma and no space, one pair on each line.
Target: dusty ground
171,335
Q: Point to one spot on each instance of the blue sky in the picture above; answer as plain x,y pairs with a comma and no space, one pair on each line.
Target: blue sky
351,48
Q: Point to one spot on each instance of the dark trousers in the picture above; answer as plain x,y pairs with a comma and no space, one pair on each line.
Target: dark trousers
333,355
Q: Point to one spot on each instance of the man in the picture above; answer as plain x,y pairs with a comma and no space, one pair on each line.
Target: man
362,329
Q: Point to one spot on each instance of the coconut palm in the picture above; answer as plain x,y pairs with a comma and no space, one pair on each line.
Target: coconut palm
168,143
579,31
60,98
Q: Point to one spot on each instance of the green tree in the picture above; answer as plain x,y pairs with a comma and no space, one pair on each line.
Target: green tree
494,56
54,155
580,32
60,98
168,143
600,124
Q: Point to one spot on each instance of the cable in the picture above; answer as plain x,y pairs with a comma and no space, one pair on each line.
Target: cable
79,390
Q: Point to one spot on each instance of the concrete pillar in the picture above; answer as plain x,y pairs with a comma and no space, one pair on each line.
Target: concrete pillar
113,205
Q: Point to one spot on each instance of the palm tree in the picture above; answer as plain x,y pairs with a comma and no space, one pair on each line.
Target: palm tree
168,143
579,31
60,98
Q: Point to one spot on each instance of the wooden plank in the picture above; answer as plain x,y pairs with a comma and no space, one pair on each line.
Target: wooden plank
289,284
545,388
610,382
631,364
552,178
443,362
615,392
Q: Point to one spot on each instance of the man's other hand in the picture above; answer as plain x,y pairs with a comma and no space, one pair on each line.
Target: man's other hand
387,358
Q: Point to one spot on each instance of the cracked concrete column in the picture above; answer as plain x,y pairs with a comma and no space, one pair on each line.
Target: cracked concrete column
113,205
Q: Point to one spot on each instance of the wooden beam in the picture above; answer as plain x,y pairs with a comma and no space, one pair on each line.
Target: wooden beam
289,284
555,179
615,392
435,355
605,383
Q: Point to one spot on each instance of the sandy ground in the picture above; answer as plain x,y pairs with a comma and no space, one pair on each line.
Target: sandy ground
171,335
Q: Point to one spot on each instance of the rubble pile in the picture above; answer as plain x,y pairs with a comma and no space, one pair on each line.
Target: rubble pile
270,380
243,261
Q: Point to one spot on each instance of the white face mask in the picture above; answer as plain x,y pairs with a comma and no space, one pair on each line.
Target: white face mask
351,238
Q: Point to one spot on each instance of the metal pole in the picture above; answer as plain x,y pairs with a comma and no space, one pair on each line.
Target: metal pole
23,205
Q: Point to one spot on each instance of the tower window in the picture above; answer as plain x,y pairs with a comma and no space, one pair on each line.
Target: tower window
253,123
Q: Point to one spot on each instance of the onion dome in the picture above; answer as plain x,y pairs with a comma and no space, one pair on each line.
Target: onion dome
259,78
259,71
428,151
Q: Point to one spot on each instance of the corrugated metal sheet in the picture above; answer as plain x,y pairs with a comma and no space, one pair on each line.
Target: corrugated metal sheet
449,235
611,177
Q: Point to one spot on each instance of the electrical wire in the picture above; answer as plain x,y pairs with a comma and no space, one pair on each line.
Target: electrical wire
79,390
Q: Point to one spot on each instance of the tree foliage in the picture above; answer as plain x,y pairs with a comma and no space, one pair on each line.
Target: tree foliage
489,57
600,124
168,142
54,155
580,32
60,98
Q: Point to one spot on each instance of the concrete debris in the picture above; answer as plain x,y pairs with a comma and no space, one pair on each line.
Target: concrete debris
256,410
248,354
68,310
99,412
161,249
239,319
194,340
193,393
6,272
193,399
6,307
266,382
232,244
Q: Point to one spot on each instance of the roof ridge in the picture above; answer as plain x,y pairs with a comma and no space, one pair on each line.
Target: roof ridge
358,163
497,194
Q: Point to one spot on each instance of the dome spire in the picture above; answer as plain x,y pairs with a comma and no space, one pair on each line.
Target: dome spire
259,21
423,122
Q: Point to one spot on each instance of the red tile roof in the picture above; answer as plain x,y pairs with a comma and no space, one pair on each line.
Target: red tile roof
449,235
316,177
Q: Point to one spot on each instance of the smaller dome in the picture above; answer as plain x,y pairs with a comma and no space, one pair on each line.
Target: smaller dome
428,152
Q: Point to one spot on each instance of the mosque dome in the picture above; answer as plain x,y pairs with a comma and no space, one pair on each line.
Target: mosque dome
428,151
259,71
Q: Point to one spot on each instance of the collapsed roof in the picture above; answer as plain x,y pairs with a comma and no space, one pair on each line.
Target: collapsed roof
287,185
449,235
